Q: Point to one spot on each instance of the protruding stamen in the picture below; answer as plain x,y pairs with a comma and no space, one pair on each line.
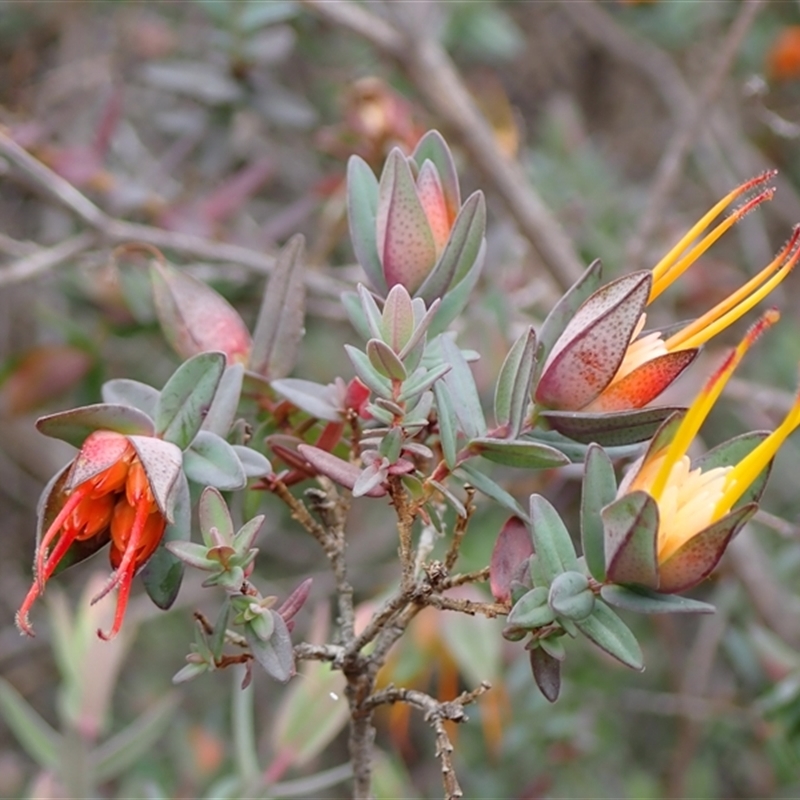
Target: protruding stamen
704,402
739,303
672,273
131,547
675,253
739,479
41,553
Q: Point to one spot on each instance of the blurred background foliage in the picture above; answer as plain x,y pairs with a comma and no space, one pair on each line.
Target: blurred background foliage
231,121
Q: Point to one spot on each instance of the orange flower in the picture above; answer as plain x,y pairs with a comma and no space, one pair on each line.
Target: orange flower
104,495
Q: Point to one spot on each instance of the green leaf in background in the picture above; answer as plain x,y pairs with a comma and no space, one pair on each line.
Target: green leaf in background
599,489
75,425
187,397
611,634
126,748
40,741
310,714
211,461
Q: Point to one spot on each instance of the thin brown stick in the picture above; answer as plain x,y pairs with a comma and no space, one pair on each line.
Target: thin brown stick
405,522
436,713
438,82
671,164
44,259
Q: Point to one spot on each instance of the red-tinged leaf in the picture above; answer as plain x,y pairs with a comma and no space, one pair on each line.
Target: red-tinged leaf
644,384
462,250
547,673
338,470
285,448
432,147
564,310
589,352
609,430
281,320
40,375
509,558
195,318
330,436
431,195
405,241
296,600
698,557
631,532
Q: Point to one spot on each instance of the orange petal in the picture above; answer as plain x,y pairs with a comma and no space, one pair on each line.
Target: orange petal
644,384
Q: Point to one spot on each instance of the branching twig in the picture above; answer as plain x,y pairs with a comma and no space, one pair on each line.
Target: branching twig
436,713
319,652
115,230
471,607
462,523
44,259
437,80
405,521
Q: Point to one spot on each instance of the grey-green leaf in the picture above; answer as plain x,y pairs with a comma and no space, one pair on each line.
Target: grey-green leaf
39,740
645,601
127,392
519,453
75,425
211,461
463,392
362,210
611,634
551,540
599,489
187,397
512,393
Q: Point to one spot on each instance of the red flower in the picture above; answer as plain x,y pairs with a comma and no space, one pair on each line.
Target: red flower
104,495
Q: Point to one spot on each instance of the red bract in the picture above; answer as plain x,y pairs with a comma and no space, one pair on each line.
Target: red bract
104,495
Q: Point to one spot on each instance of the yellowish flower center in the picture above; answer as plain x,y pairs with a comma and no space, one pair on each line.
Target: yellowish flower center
689,502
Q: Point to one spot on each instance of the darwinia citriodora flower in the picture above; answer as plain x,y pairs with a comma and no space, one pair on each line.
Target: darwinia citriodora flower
602,363
106,496
692,501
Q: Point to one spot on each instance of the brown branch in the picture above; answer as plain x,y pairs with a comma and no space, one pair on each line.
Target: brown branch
44,259
471,607
436,714
671,164
405,522
462,523
115,231
316,652
438,82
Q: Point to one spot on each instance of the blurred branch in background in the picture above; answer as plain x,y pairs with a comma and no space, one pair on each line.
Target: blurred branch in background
438,81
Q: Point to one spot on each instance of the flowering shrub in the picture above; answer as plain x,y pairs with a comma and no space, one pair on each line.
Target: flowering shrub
406,426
